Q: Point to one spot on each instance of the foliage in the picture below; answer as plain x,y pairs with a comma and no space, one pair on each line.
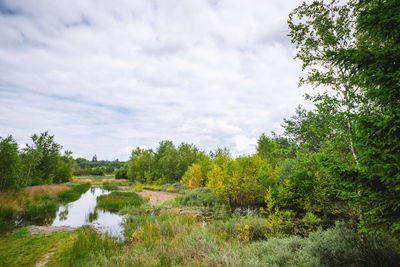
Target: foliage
175,188
193,177
118,200
240,182
201,196
10,164
373,187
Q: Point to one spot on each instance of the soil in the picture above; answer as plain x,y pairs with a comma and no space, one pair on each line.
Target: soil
156,197
49,229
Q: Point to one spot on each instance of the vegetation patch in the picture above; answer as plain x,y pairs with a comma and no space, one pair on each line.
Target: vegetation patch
174,188
118,200
75,193
23,249
201,196
110,186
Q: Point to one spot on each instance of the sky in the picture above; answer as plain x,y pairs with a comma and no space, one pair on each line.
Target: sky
106,76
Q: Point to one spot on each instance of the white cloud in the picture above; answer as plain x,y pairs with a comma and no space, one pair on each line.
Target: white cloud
104,76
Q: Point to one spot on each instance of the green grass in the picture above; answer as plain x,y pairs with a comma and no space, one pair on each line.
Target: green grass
118,200
41,209
6,218
75,193
93,215
20,248
110,186
89,244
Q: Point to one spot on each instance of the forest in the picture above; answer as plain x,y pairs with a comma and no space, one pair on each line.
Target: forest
324,192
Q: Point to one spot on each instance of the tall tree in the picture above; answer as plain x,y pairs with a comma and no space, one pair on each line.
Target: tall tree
374,64
9,164
316,29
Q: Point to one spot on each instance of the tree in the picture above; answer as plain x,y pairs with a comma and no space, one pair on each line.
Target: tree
375,66
316,29
9,164
193,177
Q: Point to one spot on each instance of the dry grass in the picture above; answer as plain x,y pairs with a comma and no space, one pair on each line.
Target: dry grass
44,189
17,199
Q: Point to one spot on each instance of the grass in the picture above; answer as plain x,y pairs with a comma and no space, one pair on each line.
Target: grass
93,215
41,209
20,248
75,193
118,200
110,186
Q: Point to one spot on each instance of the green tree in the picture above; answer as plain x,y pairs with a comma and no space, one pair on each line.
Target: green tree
316,29
375,66
9,164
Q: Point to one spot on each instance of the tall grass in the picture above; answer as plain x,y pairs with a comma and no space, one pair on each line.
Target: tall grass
41,209
90,245
75,192
118,200
6,218
110,186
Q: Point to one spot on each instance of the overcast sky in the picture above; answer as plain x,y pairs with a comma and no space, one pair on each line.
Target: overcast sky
107,76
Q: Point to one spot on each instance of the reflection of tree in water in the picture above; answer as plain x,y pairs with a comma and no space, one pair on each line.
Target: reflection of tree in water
92,190
63,214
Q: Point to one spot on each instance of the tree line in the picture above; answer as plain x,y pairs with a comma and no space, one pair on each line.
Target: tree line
40,162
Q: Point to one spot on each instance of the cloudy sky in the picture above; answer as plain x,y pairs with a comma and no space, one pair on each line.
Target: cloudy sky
106,76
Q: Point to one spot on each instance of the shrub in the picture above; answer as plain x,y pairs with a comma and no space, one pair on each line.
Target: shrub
118,200
253,226
177,188
201,196
342,246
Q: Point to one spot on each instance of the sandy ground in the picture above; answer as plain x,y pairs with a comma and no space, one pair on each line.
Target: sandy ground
157,197
49,229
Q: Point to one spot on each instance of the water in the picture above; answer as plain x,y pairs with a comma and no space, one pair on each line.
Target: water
76,214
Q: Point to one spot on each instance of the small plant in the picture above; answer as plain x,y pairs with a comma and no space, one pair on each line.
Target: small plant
170,189
93,215
275,217
243,234
136,235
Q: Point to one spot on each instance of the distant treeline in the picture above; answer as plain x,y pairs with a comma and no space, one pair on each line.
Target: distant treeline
40,162
96,167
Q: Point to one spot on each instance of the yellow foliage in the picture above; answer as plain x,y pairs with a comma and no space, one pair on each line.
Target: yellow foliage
193,177
243,234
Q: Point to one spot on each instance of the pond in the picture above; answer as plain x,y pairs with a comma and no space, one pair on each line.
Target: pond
76,214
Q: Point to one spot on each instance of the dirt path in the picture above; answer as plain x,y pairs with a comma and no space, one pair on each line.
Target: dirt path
156,197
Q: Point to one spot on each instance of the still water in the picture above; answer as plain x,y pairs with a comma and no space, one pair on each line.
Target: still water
76,214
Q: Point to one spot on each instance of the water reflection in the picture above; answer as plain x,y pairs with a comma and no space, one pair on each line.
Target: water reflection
76,214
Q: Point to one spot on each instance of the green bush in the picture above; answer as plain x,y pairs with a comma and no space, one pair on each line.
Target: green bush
201,196
341,246
118,200
232,227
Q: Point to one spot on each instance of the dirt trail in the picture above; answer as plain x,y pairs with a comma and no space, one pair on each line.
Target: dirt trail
156,197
